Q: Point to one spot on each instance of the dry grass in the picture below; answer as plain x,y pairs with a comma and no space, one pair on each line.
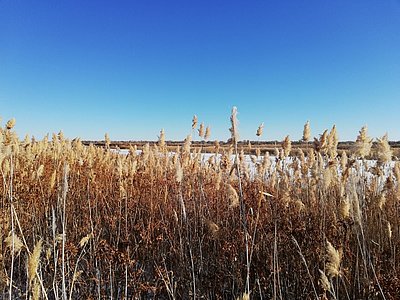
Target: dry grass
158,225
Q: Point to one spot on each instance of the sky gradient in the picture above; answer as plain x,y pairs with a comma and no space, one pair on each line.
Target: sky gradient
130,68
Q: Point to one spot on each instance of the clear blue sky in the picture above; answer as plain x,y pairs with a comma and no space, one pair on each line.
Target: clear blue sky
130,68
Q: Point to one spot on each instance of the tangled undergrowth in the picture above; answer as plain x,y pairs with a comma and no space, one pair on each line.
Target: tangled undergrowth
87,222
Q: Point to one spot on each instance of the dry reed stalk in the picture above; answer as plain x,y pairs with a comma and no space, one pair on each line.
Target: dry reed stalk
389,230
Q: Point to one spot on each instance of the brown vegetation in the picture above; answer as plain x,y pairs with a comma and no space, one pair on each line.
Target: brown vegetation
86,222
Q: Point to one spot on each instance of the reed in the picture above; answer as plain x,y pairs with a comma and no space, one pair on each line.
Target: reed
303,223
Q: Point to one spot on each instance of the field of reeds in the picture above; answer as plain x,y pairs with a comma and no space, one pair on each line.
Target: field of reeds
87,222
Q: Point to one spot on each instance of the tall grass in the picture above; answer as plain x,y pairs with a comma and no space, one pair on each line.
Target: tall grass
169,225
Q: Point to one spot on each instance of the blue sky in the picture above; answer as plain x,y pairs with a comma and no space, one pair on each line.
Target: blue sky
130,68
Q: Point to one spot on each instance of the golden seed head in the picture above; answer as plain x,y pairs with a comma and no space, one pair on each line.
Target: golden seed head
234,124
306,132
212,228
194,122
161,139
363,144
85,240
383,151
324,281
13,242
345,208
107,140
208,133
286,146
260,130
10,124
33,261
179,172
332,260
232,197
333,141
36,290
201,130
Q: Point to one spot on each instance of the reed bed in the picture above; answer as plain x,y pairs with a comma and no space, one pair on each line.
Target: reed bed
85,222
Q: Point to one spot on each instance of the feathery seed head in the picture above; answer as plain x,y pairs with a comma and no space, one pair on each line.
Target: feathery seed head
161,139
363,144
33,261
194,122
324,281
234,124
201,130
85,240
260,130
212,228
332,261
383,151
14,243
232,197
333,141
345,208
10,124
179,172
286,146
107,140
208,133
306,132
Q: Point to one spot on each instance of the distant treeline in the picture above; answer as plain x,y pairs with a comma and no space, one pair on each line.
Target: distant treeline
344,145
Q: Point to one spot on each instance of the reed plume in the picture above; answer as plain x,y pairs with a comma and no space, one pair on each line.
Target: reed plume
233,197
286,146
33,261
10,124
363,144
207,134
306,132
161,139
332,261
234,125
383,151
194,122
201,130
260,130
